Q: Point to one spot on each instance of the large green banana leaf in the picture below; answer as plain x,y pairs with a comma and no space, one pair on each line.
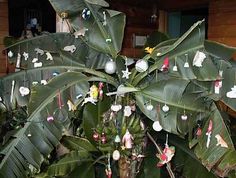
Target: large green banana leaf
105,38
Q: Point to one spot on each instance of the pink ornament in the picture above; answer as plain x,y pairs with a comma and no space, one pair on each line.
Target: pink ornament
127,140
100,86
95,136
103,138
108,173
199,131
209,132
166,155
50,118
165,65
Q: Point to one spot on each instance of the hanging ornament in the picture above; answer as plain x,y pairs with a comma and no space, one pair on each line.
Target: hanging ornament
95,136
81,32
103,138
218,83
165,108
100,91
127,140
35,60
29,134
209,132
18,61
199,131
220,141
166,155
156,126
70,48
71,106
198,59
175,68
232,93
149,107
79,96
35,82
50,118
117,139
110,67
26,56
149,50
49,56
12,90
141,65
116,107
116,155
10,54
38,64
165,66
104,23
39,51
24,91
127,111
184,117
93,95
108,40
186,64
108,172
132,105
43,82
54,74
86,14
126,73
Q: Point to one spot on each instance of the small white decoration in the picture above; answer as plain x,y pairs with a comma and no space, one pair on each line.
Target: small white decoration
49,56
18,60
78,96
149,107
26,56
81,32
141,65
71,106
165,108
12,90
220,141
126,73
184,117
186,65
44,82
198,59
104,23
117,139
10,54
116,107
70,48
35,60
116,155
38,64
158,54
110,67
39,51
0,98
218,83
108,40
156,126
232,93
35,82
24,91
127,111
175,68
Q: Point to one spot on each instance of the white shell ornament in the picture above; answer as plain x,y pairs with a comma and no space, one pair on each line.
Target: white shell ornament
127,111
149,107
232,93
10,54
186,65
141,65
110,67
165,108
70,48
156,126
116,155
175,68
24,91
117,139
184,117
198,59
116,107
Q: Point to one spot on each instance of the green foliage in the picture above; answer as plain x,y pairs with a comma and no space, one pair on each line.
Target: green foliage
29,144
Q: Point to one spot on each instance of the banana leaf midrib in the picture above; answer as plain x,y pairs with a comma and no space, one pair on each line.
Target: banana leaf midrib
103,31
187,107
108,78
158,64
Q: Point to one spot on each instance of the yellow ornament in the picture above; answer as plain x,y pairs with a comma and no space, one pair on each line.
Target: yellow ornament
149,50
93,92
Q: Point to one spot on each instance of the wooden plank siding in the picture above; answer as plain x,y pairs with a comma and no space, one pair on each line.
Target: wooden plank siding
221,21
4,31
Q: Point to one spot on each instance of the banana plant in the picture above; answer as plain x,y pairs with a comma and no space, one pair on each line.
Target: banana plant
102,119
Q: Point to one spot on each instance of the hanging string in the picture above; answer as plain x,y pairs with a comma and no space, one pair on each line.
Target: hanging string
59,99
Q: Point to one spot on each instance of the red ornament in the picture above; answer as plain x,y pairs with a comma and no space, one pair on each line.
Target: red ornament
108,173
199,131
103,138
95,136
165,65
100,86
